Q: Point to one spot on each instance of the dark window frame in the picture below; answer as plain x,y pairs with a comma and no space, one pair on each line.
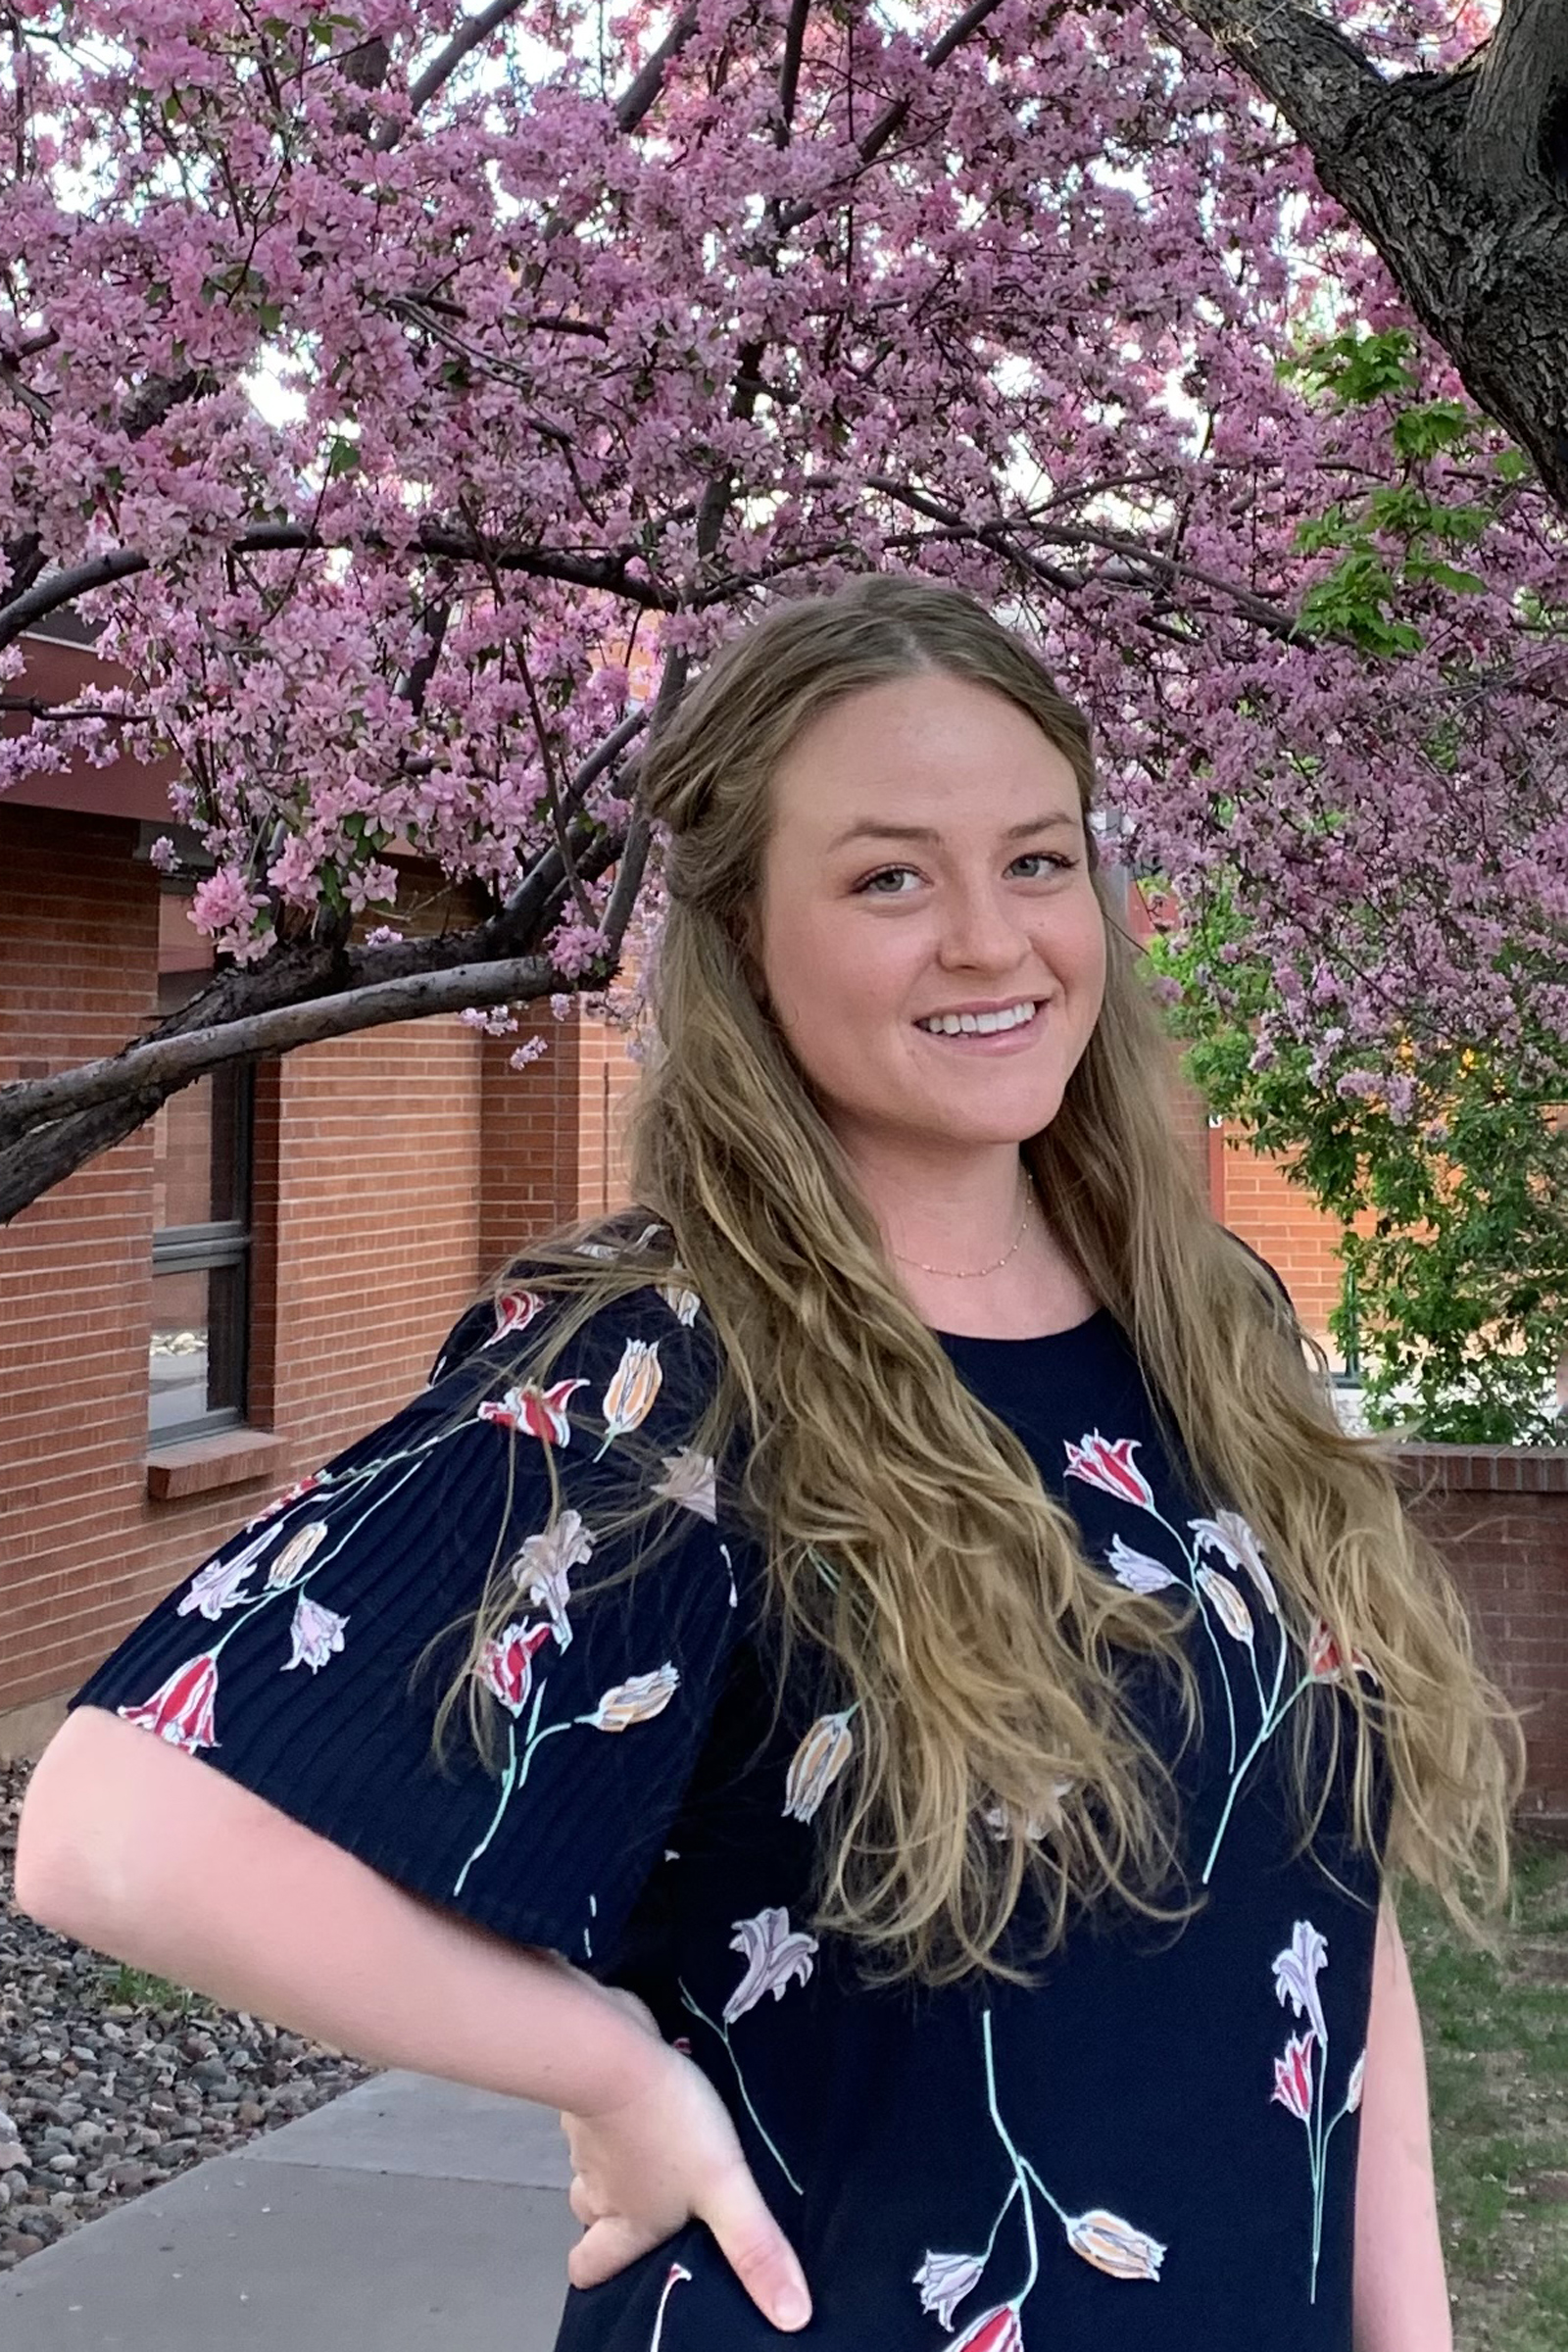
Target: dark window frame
225,1241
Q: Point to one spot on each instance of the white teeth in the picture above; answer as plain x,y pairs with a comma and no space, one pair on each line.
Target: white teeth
977,1024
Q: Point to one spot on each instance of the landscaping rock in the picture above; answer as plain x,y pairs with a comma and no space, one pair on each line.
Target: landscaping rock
102,2094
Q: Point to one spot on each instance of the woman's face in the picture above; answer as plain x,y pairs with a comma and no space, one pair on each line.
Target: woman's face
927,854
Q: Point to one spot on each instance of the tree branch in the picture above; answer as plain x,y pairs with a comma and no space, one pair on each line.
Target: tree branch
163,1065
794,216
609,572
1459,179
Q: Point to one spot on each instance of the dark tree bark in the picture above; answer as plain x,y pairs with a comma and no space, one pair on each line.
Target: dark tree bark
1459,179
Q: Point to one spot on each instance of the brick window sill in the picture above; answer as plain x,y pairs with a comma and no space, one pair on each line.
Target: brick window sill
232,1458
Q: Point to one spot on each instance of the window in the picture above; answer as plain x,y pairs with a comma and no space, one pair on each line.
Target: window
201,1220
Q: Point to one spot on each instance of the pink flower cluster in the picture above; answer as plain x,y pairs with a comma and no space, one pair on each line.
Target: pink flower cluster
413,418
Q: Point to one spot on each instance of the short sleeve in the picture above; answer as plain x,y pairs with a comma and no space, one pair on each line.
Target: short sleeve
288,1659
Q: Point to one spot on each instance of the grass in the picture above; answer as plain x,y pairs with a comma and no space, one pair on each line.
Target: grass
1497,2044
139,1989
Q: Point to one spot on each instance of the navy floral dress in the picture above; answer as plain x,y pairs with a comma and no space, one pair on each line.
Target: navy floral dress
1151,2150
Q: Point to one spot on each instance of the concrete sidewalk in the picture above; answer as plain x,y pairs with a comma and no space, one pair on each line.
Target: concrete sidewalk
408,2216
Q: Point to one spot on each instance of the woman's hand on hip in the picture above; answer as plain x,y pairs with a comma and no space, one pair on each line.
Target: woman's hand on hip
643,2169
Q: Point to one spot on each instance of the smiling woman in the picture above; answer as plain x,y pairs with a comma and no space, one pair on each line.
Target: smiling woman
873,1680
981,927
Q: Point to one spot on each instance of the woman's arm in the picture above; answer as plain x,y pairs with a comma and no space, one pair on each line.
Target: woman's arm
144,1851
1400,2293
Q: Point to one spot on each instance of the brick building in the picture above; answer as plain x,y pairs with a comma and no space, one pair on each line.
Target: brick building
267,1268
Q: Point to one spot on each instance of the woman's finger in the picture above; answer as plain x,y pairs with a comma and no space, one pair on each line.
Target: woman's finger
757,2248
605,2247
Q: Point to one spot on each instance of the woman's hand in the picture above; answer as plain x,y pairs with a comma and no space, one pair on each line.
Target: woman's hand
643,2169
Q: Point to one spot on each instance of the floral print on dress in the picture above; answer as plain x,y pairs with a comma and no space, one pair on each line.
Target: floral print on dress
506,1667
816,1764
314,1635
287,1558
777,1956
541,1568
514,1311
635,1383
180,1709
676,2271
1224,1609
1097,2237
541,1412
1295,1974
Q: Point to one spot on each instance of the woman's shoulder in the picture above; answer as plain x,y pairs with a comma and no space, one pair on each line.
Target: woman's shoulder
654,1319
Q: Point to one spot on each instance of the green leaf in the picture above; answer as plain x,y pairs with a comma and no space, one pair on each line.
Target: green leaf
1446,575
1420,432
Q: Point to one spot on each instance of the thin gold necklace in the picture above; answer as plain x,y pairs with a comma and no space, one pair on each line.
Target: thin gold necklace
968,1273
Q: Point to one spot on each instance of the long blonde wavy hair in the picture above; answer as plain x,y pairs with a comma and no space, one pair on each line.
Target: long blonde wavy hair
905,1528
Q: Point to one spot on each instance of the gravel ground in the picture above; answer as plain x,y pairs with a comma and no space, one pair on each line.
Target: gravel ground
111,2083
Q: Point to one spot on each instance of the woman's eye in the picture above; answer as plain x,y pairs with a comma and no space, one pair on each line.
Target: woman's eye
1050,858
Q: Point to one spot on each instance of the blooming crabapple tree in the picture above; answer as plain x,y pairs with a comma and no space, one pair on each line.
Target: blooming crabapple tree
407,400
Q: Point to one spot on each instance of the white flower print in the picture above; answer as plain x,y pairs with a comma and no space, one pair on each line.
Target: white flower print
776,1956
215,1588
998,1820
633,1385
543,1564
944,2280
1135,1570
689,1479
1228,1532
316,1634
636,1700
816,1764
1295,1975
1229,1606
1099,2238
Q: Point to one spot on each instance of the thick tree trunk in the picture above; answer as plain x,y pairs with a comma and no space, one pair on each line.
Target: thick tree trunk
1459,179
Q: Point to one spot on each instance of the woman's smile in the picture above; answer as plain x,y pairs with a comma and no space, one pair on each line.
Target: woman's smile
1012,1038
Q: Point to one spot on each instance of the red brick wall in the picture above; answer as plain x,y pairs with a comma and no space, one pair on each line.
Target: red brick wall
1499,1515
529,1134
392,1170
78,937
1254,1196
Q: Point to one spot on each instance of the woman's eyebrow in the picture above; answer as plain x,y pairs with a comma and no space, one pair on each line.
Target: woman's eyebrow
868,829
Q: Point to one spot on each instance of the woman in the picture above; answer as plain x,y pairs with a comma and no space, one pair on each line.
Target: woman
874,1682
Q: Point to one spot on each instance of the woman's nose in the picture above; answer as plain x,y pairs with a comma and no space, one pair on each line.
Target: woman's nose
979,928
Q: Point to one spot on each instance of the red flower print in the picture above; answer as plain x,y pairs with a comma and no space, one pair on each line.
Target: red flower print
280,1503
542,1413
999,2331
1325,1661
505,1664
1107,1463
514,1311
180,1709
1292,2077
